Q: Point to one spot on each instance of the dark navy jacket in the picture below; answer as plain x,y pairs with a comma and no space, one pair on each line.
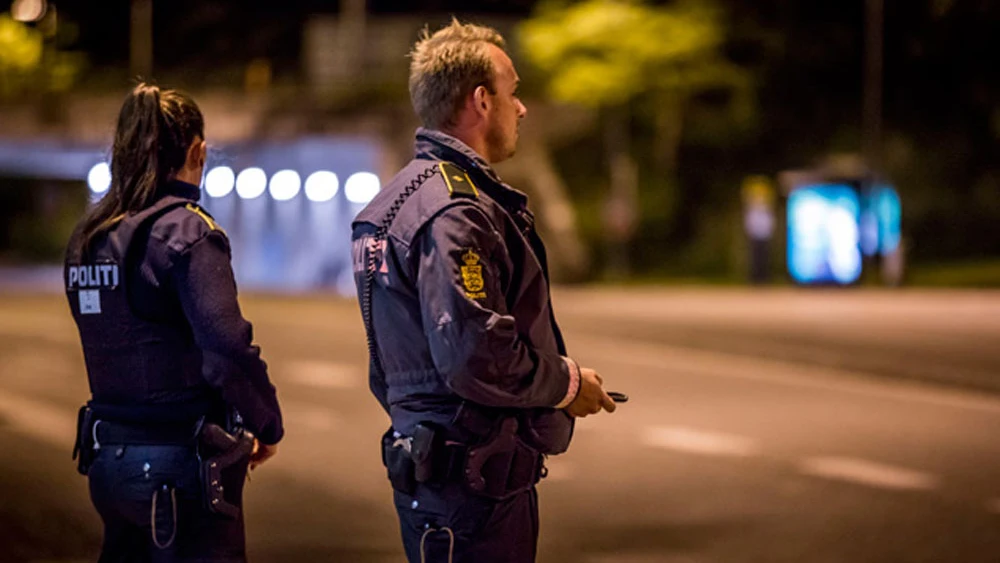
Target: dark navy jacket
461,307
168,336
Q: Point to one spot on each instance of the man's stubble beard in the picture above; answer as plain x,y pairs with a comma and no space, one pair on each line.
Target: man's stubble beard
499,145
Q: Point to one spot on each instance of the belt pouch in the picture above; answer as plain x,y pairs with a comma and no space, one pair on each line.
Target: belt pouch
422,451
83,449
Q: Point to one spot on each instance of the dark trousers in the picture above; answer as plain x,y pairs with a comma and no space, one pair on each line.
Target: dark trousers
484,531
126,481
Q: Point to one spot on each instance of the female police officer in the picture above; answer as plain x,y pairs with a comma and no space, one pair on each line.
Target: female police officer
167,350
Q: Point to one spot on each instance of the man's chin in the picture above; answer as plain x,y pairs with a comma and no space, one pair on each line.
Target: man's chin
513,149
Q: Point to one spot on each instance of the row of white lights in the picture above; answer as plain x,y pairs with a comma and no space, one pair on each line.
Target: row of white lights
251,183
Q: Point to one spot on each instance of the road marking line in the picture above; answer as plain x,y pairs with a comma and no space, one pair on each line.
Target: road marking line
868,473
312,417
993,505
39,420
697,441
666,359
322,374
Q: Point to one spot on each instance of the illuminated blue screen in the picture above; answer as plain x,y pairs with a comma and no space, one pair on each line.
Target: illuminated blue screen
824,234
885,202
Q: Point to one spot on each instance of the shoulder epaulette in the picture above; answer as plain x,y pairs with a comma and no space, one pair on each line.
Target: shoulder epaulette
459,183
204,216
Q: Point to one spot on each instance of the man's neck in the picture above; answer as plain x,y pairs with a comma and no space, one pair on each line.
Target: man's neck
473,141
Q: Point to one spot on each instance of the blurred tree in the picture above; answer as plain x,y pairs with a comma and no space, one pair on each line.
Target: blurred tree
20,55
624,57
31,62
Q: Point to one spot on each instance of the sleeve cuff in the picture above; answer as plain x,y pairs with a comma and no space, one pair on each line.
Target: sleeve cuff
574,383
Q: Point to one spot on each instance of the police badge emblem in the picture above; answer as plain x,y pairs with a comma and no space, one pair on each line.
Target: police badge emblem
472,276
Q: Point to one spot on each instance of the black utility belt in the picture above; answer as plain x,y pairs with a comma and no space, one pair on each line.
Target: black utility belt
109,432
224,456
500,467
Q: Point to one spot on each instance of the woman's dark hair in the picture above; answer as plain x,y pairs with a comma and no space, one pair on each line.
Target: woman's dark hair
155,130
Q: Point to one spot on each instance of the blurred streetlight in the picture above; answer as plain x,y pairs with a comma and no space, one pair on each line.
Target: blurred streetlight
28,11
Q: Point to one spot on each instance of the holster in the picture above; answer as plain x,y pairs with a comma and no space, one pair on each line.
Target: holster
398,464
225,458
503,466
83,448
500,466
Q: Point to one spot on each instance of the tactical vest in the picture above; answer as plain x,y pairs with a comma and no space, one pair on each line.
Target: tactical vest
130,360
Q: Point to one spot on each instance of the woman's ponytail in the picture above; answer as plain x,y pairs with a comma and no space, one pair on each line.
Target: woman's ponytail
154,131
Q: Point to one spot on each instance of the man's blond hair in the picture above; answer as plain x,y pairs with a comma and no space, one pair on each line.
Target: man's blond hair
446,66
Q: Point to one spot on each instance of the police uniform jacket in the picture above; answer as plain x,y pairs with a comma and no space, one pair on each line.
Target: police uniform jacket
460,304
163,337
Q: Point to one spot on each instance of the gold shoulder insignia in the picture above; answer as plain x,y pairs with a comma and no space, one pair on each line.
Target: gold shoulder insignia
204,217
459,183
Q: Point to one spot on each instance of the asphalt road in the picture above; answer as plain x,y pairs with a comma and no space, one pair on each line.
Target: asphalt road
774,426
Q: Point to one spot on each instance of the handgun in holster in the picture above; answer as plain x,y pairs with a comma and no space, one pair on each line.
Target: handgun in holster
398,463
225,459
409,461
83,448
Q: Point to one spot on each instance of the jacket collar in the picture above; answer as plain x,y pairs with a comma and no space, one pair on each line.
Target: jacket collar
180,189
435,145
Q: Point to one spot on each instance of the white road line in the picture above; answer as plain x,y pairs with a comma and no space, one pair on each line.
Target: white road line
322,374
868,473
665,358
698,442
38,420
993,505
302,415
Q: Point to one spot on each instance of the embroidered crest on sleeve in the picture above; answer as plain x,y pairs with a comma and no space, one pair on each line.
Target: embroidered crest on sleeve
472,275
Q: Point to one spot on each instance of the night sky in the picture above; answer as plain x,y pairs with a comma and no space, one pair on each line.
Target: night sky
218,29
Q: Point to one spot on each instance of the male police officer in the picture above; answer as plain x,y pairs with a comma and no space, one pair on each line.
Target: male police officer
466,355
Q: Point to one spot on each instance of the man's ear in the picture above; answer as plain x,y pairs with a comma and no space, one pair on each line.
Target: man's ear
481,99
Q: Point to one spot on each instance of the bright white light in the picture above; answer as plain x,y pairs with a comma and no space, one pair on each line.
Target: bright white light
99,178
28,10
251,183
322,186
361,187
219,181
285,185
844,256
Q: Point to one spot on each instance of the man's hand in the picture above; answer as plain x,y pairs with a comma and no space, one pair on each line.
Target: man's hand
592,397
261,453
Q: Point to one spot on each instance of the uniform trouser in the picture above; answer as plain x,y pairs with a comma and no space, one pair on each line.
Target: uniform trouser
124,480
484,530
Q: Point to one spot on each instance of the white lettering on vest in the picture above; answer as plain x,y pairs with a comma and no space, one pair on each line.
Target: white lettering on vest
91,275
